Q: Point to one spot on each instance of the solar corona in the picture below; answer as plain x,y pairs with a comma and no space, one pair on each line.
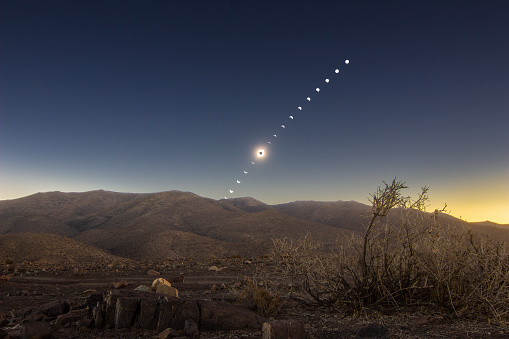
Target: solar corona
261,152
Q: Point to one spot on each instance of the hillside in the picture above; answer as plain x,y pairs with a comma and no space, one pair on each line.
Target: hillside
178,224
349,215
63,206
49,248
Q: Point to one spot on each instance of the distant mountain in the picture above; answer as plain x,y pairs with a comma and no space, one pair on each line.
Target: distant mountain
159,225
349,215
63,206
490,224
179,224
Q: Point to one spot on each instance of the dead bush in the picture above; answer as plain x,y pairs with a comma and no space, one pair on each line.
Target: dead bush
409,258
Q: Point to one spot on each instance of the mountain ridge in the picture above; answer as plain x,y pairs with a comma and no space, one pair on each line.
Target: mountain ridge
181,224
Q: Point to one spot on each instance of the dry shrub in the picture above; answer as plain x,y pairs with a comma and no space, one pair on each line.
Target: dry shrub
407,259
258,299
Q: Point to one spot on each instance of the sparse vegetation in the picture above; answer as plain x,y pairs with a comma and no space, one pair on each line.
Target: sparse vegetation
407,258
258,298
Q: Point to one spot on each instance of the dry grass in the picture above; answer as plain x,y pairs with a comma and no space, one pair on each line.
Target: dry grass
414,261
258,298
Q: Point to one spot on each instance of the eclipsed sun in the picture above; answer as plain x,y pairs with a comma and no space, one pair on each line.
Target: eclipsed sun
260,153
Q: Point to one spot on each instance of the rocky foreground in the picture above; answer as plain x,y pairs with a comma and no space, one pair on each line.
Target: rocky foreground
189,299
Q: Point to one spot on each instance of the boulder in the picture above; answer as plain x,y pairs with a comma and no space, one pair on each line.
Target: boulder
36,329
284,329
222,315
125,312
160,281
176,279
54,308
120,284
168,290
149,314
143,288
189,309
153,272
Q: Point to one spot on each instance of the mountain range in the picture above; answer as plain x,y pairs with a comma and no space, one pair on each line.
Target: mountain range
103,225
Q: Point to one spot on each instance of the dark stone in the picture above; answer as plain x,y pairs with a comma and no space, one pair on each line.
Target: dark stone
92,300
165,316
373,332
53,309
36,329
222,315
98,314
84,323
149,314
187,310
125,312
191,329
71,317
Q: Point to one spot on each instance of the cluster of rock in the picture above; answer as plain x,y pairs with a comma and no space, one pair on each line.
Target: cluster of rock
156,310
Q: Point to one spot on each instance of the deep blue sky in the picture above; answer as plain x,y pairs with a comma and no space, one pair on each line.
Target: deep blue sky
146,96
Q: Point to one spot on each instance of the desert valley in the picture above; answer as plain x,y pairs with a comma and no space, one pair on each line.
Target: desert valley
71,259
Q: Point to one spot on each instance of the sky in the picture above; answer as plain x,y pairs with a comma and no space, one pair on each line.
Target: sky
150,96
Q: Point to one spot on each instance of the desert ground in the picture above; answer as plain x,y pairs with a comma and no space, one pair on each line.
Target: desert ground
34,284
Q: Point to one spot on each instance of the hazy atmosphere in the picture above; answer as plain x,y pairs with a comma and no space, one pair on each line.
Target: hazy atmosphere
149,96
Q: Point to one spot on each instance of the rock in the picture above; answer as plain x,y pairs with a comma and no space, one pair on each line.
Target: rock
191,329
54,308
149,314
84,323
168,333
168,290
165,316
152,272
125,312
222,315
71,316
176,279
143,288
213,268
93,299
373,332
120,284
98,314
36,329
160,281
189,309
284,329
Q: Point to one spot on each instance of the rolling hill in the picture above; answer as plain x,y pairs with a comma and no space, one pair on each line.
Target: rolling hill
176,224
